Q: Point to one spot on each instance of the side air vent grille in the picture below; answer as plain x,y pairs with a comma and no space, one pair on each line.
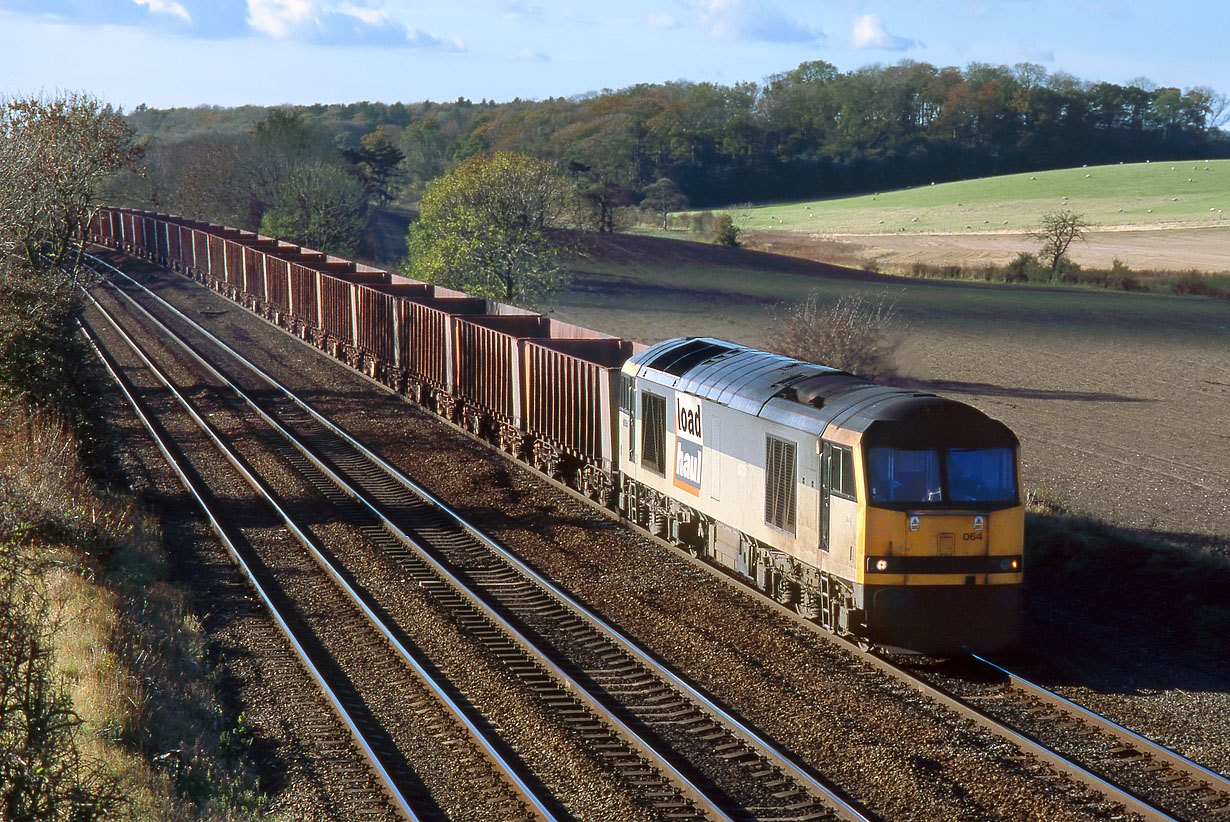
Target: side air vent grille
779,485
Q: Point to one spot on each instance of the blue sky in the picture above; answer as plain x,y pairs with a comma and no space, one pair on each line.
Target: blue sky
230,52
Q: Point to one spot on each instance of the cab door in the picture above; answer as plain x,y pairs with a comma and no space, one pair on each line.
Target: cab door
838,501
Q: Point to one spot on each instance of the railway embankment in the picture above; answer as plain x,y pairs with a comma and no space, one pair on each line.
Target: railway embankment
112,692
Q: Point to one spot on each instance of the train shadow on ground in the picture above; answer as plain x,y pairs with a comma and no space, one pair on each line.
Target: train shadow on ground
991,390
1121,610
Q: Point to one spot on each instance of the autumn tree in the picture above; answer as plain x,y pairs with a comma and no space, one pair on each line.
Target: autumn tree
1059,230
486,228
54,154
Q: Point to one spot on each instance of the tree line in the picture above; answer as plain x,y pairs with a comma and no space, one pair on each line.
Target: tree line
809,132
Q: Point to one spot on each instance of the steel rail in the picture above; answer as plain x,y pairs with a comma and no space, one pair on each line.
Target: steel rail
639,743
1052,758
1153,749
374,620
400,804
741,730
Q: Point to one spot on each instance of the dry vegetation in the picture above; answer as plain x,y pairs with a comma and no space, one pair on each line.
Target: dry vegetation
123,661
853,332
108,708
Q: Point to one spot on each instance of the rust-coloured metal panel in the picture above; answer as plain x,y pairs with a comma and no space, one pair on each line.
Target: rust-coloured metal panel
487,361
200,251
336,295
571,387
234,261
425,336
277,279
303,293
375,312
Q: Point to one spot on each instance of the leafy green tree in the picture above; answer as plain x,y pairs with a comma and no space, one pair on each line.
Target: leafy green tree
663,197
486,228
1059,230
319,205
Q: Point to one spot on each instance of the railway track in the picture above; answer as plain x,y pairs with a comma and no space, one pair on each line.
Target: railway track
1112,769
1143,775
682,753
437,715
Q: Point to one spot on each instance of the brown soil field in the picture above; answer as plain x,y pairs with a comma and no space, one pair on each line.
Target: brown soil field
1121,401
1178,248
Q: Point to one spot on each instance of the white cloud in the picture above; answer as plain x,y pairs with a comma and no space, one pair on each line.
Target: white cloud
532,56
280,18
166,7
1034,53
340,22
869,33
753,20
1115,9
662,21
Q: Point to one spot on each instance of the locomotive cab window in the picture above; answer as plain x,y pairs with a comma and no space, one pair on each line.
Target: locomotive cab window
838,470
653,432
779,484
981,475
899,475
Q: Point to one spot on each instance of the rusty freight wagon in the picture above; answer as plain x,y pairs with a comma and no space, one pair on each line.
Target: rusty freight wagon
570,387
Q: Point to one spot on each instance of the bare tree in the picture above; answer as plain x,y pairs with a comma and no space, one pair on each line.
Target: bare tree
1059,229
854,333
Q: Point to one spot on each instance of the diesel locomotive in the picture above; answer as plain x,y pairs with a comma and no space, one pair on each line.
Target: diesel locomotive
887,515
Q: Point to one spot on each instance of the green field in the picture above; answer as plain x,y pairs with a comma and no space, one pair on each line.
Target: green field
1141,194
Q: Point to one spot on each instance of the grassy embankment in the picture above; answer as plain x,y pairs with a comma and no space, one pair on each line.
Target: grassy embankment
87,579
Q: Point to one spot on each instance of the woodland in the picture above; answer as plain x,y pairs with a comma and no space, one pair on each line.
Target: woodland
813,131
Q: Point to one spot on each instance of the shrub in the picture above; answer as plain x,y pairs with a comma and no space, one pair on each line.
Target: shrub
43,772
1024,268
854,333
725,232
701,223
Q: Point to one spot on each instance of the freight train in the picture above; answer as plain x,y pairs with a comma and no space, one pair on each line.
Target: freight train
893,517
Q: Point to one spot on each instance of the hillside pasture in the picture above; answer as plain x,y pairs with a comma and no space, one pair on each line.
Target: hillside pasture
1193,194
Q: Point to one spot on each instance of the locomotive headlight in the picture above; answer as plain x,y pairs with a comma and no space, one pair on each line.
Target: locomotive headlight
1009,565
881,565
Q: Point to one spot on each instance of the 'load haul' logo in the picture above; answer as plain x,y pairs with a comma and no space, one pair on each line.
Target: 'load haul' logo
688,443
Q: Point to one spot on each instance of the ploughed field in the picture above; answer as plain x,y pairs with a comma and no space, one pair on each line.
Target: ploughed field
1121,401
